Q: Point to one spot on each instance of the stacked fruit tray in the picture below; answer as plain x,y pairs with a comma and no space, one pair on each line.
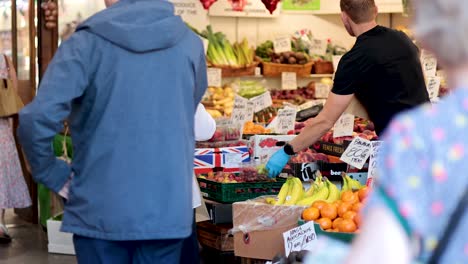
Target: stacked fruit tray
236,192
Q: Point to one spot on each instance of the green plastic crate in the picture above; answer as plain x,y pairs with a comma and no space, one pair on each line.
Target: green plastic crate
237,192
343,237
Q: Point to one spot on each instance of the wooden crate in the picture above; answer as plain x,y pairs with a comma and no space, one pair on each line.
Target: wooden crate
215,236
275,69
323,67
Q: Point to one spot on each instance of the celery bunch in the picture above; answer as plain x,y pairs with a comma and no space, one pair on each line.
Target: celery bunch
222,53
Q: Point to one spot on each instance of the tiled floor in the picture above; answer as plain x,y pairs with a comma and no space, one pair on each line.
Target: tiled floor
29,245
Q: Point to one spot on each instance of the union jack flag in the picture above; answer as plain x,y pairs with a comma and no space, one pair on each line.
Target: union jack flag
228,158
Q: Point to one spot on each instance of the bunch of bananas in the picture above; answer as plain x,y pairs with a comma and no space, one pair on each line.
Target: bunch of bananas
292,192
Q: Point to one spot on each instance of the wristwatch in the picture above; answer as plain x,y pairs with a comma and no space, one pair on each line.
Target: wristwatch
288,149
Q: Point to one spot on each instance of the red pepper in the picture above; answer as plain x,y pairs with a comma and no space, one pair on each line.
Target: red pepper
270,5
207,3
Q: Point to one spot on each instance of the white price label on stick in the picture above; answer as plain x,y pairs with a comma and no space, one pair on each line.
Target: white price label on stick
344,126
285,120
433,86
300,238
373,160
357,152
205,44
282,44
289,81
262,101
318,47
214,77
429,63
322,90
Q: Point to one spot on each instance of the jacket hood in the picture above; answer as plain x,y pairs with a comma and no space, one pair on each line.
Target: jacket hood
138,25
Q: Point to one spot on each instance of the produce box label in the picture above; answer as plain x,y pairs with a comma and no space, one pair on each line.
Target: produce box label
300,238
264,146
357,152
301,5
282,44
318,47
344,126
214,77
288,80
331,148
433,86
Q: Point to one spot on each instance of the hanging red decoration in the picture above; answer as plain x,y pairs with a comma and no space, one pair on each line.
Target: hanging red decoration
238,5
207,3
271,5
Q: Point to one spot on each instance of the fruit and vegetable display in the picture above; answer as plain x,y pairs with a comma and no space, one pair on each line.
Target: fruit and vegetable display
342,213
225,133
290,57
307,156
362,128
219,101
298,96
266,115
250,128
222,53
250,89
248,173
293,193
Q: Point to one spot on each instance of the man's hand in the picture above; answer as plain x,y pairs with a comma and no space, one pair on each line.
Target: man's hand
277,162
50,13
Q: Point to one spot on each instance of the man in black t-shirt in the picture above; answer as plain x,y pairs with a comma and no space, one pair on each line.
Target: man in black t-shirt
382,71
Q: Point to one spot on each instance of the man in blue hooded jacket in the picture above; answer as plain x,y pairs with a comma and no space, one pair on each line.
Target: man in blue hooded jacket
129,81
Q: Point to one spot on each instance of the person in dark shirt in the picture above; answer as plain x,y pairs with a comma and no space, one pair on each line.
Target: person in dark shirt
382,71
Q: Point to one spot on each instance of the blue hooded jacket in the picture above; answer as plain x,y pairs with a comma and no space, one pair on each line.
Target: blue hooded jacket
129,81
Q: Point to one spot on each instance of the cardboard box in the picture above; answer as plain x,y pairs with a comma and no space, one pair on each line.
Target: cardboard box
228,158
264,146
219,213
258,228
59,242
307,171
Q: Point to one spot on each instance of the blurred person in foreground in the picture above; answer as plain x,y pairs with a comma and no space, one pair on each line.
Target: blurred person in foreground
417,211
382,71
129,81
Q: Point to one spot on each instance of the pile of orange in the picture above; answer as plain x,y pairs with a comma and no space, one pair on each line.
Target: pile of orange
252,129
340,216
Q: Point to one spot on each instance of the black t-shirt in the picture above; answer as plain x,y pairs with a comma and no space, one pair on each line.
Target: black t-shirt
384,72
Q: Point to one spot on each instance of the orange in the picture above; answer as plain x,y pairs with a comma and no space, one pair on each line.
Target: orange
350,215
343,208
336,222
363,193
357,207
311,214
329,211
337,203
325,223
319,204
358,220
349,197
347,226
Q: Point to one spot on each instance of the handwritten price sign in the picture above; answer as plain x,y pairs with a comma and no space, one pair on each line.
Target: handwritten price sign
300,238
433,86
214,77
429,63
241,112
288,81
373,161
282,44
285,120
318,47
344,126
262,101
357,152
322,90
